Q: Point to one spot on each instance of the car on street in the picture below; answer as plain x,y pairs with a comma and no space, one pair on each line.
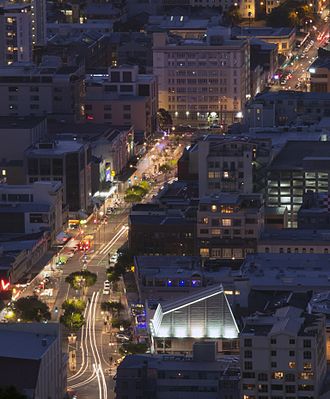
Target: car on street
122,337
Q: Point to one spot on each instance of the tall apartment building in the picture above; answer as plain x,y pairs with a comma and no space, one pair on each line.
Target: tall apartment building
15,33
229,225
38,19
49,89
66,161
283,355
225,165
122,97
202,80
298,167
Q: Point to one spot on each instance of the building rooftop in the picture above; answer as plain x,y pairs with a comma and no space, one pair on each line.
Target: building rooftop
177,22
287,320
14,122
55,148
291,236
203,314
291,95
232,199
294,153
287,271
167,265
18,207
23,344
262,32
170,362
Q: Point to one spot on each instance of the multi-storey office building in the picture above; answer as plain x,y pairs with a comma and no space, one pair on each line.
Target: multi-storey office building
66,161
228,225
46,90
314,212
202,80
299,166
31,208
283,355
122,97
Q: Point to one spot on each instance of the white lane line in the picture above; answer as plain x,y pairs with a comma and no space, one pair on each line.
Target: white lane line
105,389
113,240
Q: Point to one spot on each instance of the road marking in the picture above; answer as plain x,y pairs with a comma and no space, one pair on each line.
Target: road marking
116,237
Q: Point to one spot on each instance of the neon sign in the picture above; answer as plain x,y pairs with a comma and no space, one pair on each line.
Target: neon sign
4,285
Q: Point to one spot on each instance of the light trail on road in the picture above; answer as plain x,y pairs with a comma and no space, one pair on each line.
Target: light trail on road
88,338
83,347
116,237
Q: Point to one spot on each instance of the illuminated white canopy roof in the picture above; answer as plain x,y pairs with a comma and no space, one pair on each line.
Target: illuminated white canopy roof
206,314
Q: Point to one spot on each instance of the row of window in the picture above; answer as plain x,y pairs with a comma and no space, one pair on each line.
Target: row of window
218,232
296,250
278,387
227,222
280,375
306,354
307,343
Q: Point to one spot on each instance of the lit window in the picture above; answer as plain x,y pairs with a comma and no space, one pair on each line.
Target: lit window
308,366
278,375
213,208
4,172
204,252
226,175
292,365
226,222
215,232
205,220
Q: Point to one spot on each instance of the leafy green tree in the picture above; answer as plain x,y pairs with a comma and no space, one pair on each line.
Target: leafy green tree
81,279
290,13
117,323
132,198
112,275
72,305
131,348
72,320
11,393
164,119
111,306
30,308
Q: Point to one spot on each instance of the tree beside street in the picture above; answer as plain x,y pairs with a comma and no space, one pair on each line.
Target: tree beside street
30,309
81,279
72,320
74,305
164,119
131,348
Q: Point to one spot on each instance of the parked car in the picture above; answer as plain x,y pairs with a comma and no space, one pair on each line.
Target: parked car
122,337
